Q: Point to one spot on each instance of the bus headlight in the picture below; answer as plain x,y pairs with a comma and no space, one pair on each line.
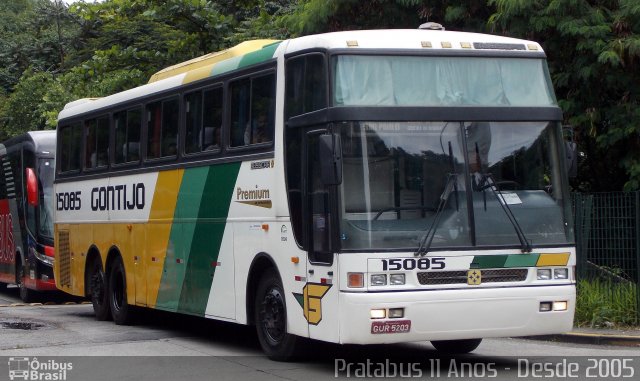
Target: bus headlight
379,279
396,279
561,273
544,274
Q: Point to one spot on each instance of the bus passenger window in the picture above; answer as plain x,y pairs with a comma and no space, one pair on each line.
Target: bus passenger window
162,129
127,131
71,138
203,112
96,143
253,110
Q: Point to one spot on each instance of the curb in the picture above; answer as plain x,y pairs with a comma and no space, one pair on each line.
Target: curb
590,338
43,304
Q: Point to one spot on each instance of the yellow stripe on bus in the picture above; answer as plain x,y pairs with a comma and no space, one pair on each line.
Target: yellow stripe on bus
159,229
560,259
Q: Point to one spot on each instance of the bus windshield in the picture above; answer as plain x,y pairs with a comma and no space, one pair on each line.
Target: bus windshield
45,184
361,80
395,174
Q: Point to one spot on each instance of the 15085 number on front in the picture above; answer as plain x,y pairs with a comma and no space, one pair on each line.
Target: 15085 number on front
396,264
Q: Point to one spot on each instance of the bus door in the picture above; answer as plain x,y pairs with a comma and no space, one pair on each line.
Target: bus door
320,292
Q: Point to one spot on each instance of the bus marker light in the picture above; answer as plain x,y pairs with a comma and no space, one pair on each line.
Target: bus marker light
178,260
265,227
425,44
295,259
352,43
445,44
355,280
545,306
299,278
560,306
465,45
378,313
396,313
49,251
325,281
216,264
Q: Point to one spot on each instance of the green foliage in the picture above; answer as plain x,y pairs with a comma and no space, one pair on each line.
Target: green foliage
602,304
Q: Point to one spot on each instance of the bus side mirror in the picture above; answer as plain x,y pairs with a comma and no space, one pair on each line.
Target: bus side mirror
571,153
330,150
32,187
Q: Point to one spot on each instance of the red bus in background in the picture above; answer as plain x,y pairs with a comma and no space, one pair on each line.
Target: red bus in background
26,212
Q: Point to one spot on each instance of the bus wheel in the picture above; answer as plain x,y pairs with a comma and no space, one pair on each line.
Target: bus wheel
121,312
98,289
25,294
271,319
455,347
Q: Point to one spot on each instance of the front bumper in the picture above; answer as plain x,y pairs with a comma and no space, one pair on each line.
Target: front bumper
458,314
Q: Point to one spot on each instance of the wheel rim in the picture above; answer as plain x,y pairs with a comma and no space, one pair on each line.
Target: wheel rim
118,290
272,316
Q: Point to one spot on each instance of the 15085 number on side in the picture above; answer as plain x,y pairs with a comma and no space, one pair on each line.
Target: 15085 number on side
396,264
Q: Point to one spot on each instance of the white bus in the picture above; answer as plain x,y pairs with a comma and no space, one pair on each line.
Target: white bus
360,187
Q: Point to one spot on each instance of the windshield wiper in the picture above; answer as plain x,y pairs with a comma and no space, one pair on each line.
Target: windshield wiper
451,185
487,181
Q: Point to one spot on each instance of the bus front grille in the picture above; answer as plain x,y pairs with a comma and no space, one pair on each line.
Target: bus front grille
64,258
460,277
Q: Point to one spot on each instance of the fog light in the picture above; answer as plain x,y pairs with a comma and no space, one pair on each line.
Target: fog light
379,279
561,273
396,279
355,280
396,313
45,278
545,306
560,306
544,274
378,314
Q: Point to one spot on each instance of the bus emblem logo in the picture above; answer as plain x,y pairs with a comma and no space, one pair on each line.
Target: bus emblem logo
474,277
311,301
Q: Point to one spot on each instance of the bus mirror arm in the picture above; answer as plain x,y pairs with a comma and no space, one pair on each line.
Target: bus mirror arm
32,187
330,150
571,153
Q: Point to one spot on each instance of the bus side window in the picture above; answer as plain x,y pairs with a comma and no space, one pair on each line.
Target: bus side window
162,128
71,139
306,84
96,142
203,111
127,139
253,110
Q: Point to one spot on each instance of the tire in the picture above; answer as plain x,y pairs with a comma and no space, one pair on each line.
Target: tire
121,311
26,295
98,291
456,347
271,319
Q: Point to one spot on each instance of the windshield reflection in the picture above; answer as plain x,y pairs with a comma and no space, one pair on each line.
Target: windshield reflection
396,176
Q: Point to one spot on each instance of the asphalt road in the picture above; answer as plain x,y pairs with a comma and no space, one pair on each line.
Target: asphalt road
165,346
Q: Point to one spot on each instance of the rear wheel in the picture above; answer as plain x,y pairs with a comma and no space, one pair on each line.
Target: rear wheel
121,311
271,319
26,295
98,291
456,346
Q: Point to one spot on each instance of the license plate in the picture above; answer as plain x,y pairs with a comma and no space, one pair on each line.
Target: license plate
399,326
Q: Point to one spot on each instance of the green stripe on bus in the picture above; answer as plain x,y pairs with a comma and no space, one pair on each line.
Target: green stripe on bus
488,261
204,247
522,260
258,56
182,231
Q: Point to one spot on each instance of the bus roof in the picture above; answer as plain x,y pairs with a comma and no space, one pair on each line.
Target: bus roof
44,142
252,52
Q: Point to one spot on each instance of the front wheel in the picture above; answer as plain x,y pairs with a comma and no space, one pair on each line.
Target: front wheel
456,347
121,311
271,319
